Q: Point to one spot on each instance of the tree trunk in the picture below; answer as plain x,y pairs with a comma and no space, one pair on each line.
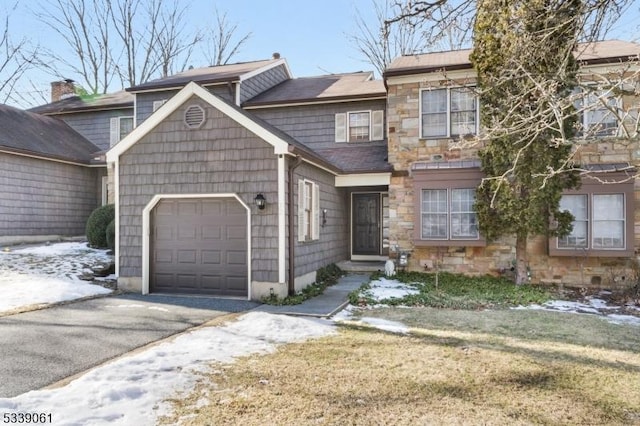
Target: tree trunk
521,260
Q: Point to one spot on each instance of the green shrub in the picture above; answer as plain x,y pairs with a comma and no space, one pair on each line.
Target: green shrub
97,224
111,235
325,277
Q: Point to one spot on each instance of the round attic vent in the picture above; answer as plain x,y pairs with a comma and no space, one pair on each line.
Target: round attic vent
194,116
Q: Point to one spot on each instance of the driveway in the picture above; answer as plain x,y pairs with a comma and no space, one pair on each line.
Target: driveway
42,347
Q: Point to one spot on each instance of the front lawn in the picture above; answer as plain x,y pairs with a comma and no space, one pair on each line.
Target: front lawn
452,291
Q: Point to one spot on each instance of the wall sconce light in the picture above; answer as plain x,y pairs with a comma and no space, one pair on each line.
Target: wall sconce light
261,202
324,217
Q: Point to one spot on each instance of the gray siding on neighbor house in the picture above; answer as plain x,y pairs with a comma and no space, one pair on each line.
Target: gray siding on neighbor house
255,85
40,197
220,157
95,125
314,125
333,244
144,100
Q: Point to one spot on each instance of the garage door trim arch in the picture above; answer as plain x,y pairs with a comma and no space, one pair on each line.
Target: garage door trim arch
146,233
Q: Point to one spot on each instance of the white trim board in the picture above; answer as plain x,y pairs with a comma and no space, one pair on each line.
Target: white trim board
363,179
146,232
192,89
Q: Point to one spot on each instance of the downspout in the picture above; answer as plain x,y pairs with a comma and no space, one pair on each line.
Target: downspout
292,239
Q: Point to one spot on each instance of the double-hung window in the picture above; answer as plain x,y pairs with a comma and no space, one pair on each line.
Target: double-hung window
603,221
448,112
308,210
359,126
444,208
597,114
119,128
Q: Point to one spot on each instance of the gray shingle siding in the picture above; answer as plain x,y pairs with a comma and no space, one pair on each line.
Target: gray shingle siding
314,125
42,197
333,245
261,82
220,157
144,100
94,125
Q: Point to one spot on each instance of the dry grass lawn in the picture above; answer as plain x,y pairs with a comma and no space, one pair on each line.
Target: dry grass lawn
432,376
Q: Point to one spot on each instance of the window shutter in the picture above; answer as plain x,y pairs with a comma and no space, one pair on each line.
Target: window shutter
377,126
315,214
341,127
114,131
301,215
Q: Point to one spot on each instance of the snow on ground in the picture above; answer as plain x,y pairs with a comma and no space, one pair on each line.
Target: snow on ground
48,274
384,288
130,390
346,316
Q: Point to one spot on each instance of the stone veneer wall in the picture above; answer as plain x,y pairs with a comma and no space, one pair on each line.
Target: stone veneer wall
406,147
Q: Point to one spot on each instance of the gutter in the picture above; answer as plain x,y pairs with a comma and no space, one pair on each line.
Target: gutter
290,199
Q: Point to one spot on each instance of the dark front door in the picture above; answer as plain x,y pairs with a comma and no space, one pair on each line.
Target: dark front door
366,224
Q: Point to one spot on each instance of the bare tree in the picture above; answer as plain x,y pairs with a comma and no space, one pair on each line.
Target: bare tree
393,34
16,57
222,42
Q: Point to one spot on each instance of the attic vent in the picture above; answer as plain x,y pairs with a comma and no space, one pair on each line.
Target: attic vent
194,116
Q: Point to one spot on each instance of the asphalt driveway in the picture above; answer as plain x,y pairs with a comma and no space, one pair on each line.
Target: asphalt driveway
43,347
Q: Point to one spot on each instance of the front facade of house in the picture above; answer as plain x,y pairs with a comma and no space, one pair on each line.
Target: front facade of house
433,184
349,168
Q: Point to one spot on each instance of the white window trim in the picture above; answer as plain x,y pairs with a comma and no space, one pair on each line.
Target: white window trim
114,128
157,104
315,210
448,89
590,223
104,189
449,236
342,134
586,125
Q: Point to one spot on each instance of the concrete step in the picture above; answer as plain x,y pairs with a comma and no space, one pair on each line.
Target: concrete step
361,266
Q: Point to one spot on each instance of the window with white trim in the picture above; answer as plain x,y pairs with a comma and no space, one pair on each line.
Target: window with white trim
308,210
596,114
447,214
119,127
448,112
158,104
598,224
359,126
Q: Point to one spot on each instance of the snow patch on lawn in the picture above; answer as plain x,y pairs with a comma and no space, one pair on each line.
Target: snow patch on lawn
130,390
347,316
384,289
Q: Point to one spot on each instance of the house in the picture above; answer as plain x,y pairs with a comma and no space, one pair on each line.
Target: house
189,179
431,193
241,180
49,178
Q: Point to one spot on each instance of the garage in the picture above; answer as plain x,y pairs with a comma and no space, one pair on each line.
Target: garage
199,246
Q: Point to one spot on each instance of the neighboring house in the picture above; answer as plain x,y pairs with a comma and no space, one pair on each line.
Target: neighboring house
433,183
49,178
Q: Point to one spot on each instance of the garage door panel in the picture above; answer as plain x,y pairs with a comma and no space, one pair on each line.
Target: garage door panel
199,247
211,257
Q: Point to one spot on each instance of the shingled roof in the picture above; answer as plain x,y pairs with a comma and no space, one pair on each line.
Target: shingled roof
29,133
206,75
601,52
115,100
358,85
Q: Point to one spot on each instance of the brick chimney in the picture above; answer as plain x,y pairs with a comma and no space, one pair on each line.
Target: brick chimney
62,89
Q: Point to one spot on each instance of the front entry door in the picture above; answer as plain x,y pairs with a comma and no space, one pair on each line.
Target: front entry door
366,224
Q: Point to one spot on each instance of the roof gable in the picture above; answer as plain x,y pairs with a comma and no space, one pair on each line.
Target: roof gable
274,138
34,134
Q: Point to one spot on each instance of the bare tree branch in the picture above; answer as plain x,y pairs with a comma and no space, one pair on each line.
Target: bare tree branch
221,44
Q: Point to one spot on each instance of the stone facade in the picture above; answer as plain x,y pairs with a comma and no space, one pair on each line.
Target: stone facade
407,148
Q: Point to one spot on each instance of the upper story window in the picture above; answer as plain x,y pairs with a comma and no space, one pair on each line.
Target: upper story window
157,104
603,219
596,114
119,128
448,112
359,126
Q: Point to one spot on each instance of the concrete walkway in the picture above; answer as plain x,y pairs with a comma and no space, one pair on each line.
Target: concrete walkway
325,305
42,347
